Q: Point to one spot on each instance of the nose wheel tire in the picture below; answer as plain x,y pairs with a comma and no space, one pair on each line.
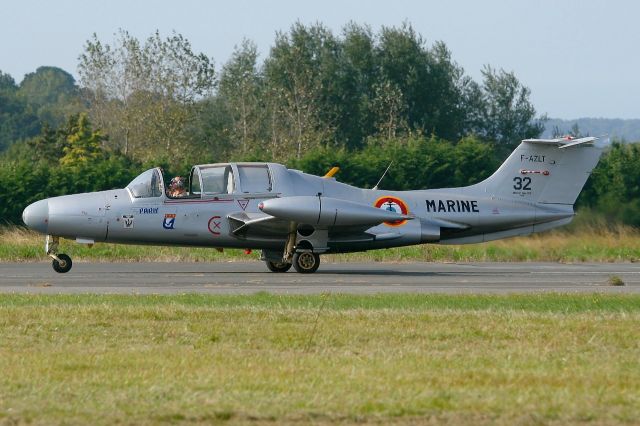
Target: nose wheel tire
64,265
306,262
278,266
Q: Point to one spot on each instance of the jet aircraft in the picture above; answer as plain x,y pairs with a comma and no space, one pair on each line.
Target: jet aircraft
294,217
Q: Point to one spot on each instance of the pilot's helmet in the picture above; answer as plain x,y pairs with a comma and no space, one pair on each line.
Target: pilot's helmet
176,183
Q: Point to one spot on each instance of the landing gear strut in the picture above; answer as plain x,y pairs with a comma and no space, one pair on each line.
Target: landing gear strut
61,262
297,253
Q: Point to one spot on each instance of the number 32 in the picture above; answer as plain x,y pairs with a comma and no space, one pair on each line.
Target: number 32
522,184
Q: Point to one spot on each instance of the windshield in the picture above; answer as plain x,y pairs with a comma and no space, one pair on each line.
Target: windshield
148,184
195,182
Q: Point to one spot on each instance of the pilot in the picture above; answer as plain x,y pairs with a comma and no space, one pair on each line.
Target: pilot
176,187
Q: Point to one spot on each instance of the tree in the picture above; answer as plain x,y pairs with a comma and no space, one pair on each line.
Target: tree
145,95
51,94
65,160
614,186
298,76
83,144
506,113
48,145
389,107
7,83
430,82
355,84
240,90
575,131
16,121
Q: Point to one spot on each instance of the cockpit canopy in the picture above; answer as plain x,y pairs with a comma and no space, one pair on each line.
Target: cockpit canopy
211,180
148,184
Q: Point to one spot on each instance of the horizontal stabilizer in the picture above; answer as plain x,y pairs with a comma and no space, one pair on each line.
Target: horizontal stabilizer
563,142
578,142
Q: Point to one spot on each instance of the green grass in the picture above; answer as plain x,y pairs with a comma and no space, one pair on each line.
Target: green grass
527,359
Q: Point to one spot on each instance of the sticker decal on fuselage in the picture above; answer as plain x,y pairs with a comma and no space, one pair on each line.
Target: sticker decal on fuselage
215,225
169,221
127,221
393,204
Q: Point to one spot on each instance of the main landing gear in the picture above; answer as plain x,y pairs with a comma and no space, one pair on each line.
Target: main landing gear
300,250
61,262
304,262
278,266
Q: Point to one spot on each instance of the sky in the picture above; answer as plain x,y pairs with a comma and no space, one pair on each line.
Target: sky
579,58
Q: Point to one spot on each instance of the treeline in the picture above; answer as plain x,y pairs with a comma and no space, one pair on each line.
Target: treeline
157,99
72,159
357,99
47,95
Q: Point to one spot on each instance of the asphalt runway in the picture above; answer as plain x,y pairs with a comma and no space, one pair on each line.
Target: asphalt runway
357,278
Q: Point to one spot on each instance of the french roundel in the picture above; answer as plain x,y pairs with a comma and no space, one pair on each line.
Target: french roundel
393,204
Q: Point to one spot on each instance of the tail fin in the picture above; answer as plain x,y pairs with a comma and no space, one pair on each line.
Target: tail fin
549,171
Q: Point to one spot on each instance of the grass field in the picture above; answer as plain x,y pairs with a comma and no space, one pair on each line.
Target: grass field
583,241
403,359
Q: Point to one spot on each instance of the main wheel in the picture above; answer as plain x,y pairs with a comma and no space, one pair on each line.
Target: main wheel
278,266
64,265
306,262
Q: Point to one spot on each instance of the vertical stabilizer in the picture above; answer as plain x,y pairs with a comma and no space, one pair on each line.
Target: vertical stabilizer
549,171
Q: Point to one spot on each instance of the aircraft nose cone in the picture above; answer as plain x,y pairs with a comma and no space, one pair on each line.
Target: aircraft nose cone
36,216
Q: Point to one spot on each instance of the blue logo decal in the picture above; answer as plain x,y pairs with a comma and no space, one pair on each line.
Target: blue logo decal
169,221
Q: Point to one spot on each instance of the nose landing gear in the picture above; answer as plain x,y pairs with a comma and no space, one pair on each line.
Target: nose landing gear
61,262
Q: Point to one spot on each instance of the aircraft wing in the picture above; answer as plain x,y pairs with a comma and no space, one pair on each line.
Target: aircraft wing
341,217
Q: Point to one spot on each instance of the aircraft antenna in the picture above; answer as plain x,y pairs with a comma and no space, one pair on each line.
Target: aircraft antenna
383,175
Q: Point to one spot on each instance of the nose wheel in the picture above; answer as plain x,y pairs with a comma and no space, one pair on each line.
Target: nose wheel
61,262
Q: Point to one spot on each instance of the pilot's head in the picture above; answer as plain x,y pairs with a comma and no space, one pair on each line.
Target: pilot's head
176,183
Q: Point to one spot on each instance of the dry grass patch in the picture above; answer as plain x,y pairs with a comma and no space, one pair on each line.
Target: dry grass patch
615,280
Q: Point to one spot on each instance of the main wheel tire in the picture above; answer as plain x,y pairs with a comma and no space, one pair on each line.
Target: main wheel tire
278,266
306,262
64,265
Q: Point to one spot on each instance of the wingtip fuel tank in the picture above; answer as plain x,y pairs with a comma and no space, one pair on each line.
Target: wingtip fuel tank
326,211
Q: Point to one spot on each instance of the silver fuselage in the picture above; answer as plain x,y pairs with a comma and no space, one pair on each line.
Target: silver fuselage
453,215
